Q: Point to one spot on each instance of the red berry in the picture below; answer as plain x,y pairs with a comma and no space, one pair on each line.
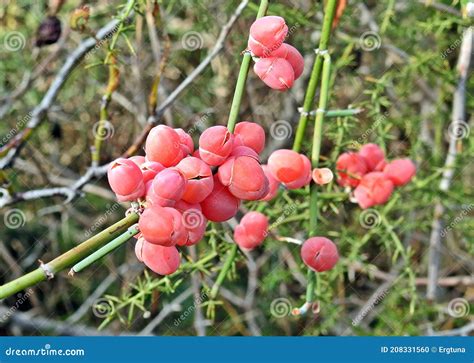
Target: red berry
290,168
193,220
319,254
126,180
251,231
157,226
350,168
322,176
150,169
169,186
292,55
372,154
251,135
267,34
220,205
200,180
273,184
244,177
305,178
374,188
215,145
276,73
186,141
137,159
160,259
400,171
180,233
163,145
139,248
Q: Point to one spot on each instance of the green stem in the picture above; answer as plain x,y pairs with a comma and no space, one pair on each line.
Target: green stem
317,136
315,74
223,273
101,252
69,258
242,79
343,113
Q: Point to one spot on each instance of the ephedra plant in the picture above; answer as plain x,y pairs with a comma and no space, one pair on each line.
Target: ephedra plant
179,192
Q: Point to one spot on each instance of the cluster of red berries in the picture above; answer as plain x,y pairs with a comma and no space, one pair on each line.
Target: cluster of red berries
278,64
373,178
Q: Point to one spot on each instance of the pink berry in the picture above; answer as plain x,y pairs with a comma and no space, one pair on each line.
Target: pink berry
374,188
400,171
186,141
137,159
244,151
273,184
139,248
251,231
200,180
373,155
215,145
287,166
319,254
180,233
305,177
160,259
267,34
163,145
157,226
150,169
276,73
322,176
251,135
220,205
244,177
125,179
350,168
169,186
193,220
292,55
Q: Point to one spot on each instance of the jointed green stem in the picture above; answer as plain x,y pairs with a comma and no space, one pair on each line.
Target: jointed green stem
47,271
223,273
244,70
101,252
315,74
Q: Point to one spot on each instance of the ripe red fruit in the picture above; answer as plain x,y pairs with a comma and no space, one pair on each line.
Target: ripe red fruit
273,184
251,135
157,226
400,171
150,169
374,188
186,141
169,186
290,168
373,155
251,231
322,176
266,35
276,73
163,145
350,168
244,177
319,254
126,180
139,248
200,180
160,259
180,233
215,145
193,220
305,177
220,205
292,55
137,159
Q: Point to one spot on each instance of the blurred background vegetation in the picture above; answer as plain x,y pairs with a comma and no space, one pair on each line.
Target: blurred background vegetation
395,59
